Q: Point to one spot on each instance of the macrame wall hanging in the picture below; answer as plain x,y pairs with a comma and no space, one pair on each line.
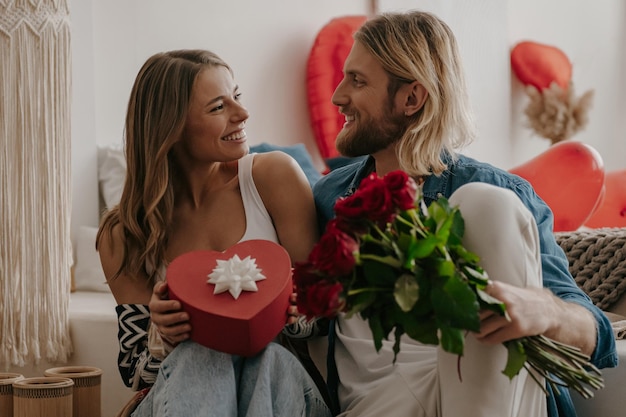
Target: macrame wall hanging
35,182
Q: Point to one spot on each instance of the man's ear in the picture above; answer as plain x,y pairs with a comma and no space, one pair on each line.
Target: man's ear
416,96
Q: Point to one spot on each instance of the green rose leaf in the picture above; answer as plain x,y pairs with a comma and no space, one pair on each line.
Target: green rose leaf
457,230
360,299
476,275
455,303
516,358
424,331
422,248
446,268
491,303
443,229
377,331
437,210
399,331
404,241
441,212
424,305
406,292
461,253
452,339
378,273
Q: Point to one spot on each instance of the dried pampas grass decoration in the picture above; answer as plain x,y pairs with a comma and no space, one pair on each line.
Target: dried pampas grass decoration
557,114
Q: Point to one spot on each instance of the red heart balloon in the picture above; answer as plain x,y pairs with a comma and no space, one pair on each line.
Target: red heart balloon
539,65
569,177
324,72
242,326
612,211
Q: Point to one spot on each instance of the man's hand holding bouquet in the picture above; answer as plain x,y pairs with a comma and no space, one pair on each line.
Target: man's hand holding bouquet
402,267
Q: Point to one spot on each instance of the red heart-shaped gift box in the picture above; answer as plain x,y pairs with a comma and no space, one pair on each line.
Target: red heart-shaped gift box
242,326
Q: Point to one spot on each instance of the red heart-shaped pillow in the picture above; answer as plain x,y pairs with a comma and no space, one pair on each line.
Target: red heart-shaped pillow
569,177
241,326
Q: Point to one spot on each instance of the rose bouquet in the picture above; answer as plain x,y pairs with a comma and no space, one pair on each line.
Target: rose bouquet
402,267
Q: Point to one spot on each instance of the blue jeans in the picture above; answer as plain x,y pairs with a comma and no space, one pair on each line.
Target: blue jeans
195,381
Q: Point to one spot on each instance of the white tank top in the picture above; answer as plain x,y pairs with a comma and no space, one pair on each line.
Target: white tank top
259,224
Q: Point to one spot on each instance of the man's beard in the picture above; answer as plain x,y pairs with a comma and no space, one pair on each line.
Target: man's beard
372,135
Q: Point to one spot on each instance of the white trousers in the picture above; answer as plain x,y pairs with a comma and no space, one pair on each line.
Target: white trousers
500,229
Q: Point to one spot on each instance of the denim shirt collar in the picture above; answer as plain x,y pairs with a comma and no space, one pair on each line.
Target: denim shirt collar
365,168
433,187
436,186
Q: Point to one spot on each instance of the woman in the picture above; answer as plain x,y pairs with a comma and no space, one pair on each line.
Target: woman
191,185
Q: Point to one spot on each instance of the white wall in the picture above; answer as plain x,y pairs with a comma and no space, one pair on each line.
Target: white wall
84,157
267,43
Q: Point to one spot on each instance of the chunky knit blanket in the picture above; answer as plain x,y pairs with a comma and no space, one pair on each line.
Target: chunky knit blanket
597,261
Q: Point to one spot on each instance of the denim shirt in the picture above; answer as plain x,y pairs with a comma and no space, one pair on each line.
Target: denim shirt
556,277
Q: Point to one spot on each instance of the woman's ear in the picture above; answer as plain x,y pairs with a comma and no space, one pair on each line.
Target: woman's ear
416,96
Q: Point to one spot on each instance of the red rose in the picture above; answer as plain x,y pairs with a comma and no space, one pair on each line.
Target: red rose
323,299
376,199
352,227
403,189
350,207
305,275
334,252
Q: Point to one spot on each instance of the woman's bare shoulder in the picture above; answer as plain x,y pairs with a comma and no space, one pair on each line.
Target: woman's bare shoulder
275,166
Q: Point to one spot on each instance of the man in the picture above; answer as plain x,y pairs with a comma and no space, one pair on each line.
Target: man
405,104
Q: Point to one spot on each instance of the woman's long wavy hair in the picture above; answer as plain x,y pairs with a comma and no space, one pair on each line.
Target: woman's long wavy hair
419,46
157,110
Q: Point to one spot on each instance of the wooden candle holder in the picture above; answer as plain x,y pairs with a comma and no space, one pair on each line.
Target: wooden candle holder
87,388
6,392
42,397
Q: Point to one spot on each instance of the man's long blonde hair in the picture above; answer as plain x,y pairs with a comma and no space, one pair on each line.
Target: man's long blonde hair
419,46
157,110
